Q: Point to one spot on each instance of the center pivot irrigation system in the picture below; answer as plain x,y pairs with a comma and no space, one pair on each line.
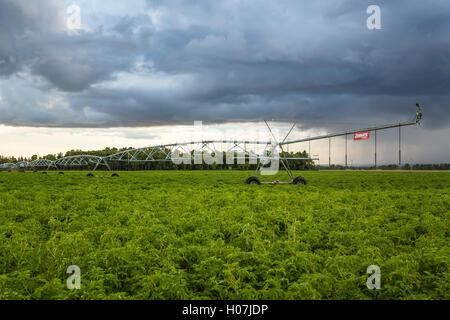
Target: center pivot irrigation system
259,153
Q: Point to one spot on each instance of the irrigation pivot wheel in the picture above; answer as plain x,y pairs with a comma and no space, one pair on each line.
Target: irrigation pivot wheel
299,180
253,180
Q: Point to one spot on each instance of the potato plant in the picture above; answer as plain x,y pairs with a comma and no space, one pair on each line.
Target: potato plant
207,235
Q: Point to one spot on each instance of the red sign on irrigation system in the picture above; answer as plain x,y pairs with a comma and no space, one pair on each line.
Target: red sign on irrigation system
361,135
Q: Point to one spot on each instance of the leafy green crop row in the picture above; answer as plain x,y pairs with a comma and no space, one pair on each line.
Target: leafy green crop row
207,235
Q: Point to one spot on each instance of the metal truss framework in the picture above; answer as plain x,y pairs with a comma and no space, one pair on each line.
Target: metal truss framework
81,161
163,153
41,163
6,166
242,151
256,152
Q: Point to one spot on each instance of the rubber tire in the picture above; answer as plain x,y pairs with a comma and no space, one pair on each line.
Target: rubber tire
44,172
60,172
253,180
299,180
90,175
114,175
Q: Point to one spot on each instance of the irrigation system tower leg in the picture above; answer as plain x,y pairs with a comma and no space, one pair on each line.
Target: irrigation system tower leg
96,165
286,167
52,164
107,165
257,168
100,162
286,164
288,170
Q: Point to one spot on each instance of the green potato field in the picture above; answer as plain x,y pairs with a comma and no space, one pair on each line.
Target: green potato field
208,235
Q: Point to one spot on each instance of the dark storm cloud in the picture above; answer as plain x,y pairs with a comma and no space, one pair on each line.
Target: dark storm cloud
70,62
314,62
12,23
75,64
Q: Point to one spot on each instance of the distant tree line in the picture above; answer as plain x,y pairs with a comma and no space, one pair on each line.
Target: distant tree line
102,153
168,165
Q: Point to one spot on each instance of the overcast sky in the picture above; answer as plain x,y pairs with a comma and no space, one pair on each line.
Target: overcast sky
138,69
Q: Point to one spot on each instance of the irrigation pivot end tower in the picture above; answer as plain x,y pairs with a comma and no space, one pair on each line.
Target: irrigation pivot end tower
300,180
